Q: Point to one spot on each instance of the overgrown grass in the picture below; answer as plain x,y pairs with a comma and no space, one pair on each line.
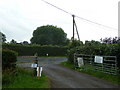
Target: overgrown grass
111,78
24,79
68,64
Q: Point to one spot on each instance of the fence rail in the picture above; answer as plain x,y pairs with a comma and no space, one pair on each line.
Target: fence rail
105,64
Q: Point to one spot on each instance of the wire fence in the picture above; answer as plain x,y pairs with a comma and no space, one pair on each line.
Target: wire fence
105,64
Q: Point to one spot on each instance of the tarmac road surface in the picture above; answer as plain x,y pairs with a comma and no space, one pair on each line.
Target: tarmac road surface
62,77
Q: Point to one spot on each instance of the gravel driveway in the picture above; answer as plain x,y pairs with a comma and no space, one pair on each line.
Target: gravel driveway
62,77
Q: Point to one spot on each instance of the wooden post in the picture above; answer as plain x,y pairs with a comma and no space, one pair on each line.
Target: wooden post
38,72
73,26
35,62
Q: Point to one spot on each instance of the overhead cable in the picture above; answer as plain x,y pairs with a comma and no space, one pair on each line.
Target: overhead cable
80,17
56,7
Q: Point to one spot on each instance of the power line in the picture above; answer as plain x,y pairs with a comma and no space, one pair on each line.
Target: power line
96,23
56,7
80,17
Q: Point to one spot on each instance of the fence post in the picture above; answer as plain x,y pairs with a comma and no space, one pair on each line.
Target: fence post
35,62
38,73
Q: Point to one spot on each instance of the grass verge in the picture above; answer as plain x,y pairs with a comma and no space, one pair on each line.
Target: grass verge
24,79
111,78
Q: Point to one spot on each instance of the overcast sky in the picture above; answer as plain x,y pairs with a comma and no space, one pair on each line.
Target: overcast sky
19,18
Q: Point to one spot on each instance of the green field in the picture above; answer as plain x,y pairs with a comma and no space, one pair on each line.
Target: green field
25,79
108,77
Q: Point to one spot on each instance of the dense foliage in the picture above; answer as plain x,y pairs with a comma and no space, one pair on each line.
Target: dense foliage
2,37
9,58
95,48
30,50
49,35
23,78
110,40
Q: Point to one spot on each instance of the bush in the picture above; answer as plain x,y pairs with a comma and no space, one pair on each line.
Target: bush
96,49
23,78
9,58
8,77
30,50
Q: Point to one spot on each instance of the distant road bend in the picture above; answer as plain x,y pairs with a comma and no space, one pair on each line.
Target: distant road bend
62,77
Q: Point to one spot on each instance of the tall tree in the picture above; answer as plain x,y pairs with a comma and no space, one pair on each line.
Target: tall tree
2,37
13,41
25,42
49,35
110,40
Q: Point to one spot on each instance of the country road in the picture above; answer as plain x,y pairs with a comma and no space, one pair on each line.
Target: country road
62,77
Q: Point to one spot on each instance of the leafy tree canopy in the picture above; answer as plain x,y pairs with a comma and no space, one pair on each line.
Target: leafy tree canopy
110,40
2,37
49,35
74,43
13,41
25,42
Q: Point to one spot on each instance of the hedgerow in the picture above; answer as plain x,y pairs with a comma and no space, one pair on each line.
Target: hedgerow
30,50
101,49
9,58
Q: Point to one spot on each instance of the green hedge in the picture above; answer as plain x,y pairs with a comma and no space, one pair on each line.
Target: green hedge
96,49
30,50
9,58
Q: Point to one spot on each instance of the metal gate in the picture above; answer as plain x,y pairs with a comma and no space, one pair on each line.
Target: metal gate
105,64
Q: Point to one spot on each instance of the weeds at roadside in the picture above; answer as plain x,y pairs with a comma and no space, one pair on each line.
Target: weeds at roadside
24,79
108,77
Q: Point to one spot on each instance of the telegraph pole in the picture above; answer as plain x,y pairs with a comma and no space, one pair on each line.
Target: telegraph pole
73,26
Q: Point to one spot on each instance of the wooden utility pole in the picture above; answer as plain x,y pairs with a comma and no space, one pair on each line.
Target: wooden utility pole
73,26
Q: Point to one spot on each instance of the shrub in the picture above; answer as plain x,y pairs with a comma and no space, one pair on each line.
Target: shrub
9,58
96,49
30,50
